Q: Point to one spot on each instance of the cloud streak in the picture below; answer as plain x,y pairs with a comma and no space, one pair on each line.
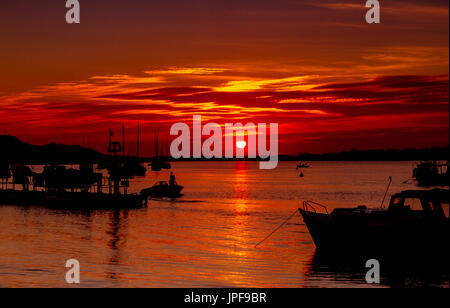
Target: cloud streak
308,108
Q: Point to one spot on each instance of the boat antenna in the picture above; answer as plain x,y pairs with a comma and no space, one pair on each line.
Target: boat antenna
387,190
278,228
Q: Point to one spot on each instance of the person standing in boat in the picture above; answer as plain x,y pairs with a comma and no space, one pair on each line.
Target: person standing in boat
172,179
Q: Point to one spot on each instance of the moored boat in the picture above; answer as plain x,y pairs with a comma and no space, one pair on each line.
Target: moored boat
416,220
60,187
65,187
432,174
303,166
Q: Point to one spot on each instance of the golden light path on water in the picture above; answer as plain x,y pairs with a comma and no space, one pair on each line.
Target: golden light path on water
205,239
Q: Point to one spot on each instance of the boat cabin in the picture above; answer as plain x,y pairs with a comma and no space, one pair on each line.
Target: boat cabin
434,202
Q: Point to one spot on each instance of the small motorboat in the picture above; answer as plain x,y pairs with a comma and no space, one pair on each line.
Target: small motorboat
163,189
415,221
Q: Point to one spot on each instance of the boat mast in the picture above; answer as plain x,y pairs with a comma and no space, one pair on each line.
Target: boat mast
156,142
123,139
138,140
110,139
167,146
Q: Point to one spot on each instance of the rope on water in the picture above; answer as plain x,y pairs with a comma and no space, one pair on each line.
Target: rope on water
278,228
387,190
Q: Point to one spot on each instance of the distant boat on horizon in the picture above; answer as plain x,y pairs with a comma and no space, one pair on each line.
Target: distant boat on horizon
303,166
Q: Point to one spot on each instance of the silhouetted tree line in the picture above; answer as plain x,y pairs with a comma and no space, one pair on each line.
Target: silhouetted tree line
12,150
436,153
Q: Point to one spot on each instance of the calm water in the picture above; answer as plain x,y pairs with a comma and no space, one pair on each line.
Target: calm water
207,238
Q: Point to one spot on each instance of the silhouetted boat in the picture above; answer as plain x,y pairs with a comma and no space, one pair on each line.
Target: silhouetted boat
166,165
159,164
124,167
156,166
62,187
432,174
133,168
5,173
420,227
77,200
302,166
163,189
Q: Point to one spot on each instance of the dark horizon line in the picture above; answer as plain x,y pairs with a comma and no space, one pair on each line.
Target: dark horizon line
17,150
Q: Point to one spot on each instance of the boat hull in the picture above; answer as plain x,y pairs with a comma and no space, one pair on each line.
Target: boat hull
161,192
381,233
433,180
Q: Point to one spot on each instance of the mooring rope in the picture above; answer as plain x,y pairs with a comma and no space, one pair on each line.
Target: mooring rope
278,228
387,190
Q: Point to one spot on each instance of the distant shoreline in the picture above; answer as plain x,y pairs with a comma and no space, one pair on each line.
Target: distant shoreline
15,151
437,153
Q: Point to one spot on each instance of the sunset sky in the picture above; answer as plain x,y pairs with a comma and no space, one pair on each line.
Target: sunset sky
331,81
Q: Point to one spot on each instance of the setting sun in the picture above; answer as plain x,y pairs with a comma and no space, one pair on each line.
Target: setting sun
241,144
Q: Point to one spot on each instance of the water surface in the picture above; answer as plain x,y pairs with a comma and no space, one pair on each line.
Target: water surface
207,238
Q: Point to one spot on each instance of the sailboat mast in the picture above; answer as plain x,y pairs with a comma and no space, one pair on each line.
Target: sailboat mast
167,147
123,139
138,140
157,143
110,141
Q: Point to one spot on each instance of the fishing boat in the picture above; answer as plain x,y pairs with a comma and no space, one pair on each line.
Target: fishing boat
416,220
163,189
432,173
